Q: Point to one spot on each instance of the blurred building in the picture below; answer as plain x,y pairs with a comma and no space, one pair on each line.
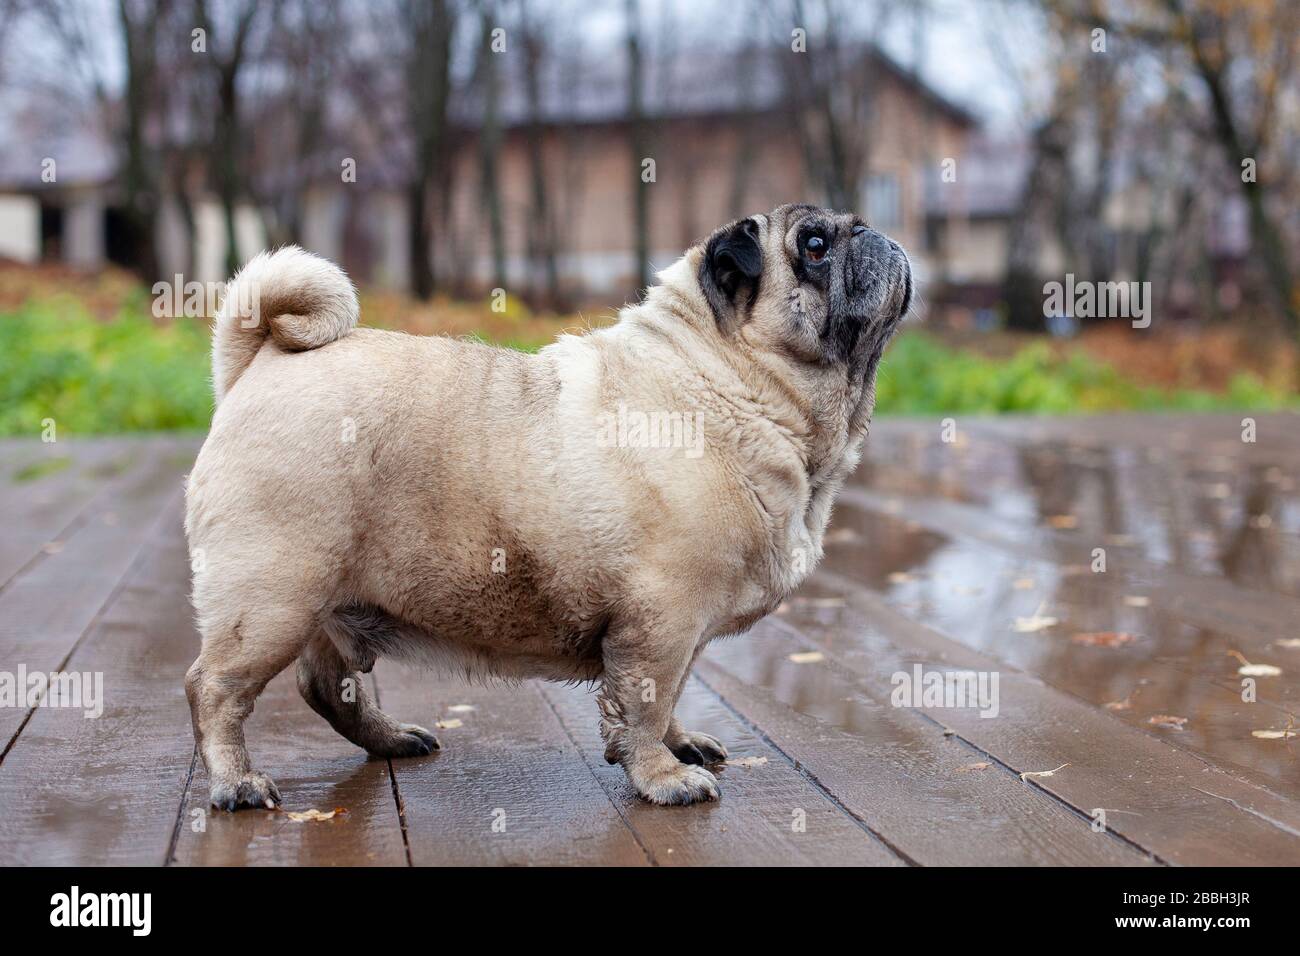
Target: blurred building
720,130
972,222
60,201
724,142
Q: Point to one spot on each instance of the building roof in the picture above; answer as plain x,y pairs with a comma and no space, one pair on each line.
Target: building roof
990,180
575,89
682,84
81,157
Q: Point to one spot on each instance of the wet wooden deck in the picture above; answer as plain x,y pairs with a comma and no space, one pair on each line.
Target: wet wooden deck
953,555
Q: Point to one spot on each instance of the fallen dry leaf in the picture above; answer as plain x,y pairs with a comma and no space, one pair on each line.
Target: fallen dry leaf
1124,704
982,765
1259,670
807,657
1063,522
747,762
450,724
1247,669
1166,720
1274,734
1035,622
302,816
460,708
1103,638
1136,600
1042,773
1293,642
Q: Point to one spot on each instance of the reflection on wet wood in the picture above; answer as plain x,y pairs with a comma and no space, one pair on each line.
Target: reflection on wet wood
1145,713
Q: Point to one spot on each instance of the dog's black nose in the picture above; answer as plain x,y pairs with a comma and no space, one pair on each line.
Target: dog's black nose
859,230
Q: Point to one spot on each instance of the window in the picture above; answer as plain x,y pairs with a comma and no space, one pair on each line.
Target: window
884,201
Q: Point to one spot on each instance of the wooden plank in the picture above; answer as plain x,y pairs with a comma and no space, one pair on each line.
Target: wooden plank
1176,661
508,788
1254,617
894,769
315,768
1277,433
770,814
1223,515
106,790
931,554
46,609
45,487
1197,436
1160,797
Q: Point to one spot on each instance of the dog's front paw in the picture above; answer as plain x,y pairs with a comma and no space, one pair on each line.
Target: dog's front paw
406,740
253,789
669,781
695,748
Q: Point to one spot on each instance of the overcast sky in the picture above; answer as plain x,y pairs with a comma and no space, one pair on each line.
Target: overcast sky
985,54
972,51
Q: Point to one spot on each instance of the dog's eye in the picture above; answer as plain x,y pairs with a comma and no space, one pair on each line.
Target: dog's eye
814,248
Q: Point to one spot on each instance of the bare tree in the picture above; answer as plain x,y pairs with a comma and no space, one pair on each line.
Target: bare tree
185,123
310,42
139,22
428,26
1243,58
488,76
1243,123
638,140
229,51
831,88
542,229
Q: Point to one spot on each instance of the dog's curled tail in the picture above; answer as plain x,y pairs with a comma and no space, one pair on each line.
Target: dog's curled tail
298,299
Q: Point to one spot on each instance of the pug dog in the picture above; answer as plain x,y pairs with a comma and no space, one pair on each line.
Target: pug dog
598,512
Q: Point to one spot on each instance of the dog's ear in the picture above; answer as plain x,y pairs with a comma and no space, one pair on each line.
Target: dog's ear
732,267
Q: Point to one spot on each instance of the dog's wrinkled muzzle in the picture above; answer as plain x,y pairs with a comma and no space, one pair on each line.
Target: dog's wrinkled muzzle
877,275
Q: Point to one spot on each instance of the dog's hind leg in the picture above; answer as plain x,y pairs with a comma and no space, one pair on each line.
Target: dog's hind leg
336,690
240,655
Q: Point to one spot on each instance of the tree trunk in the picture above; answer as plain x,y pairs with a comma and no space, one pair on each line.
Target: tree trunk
422,283
227,170
429,80
636,124
1265,236
490,149
541,232
139,180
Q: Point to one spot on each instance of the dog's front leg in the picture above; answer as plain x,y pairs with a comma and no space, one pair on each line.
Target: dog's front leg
691,746
644,669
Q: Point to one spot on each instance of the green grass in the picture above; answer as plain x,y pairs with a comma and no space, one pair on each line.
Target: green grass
920,376
92,377
134,374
